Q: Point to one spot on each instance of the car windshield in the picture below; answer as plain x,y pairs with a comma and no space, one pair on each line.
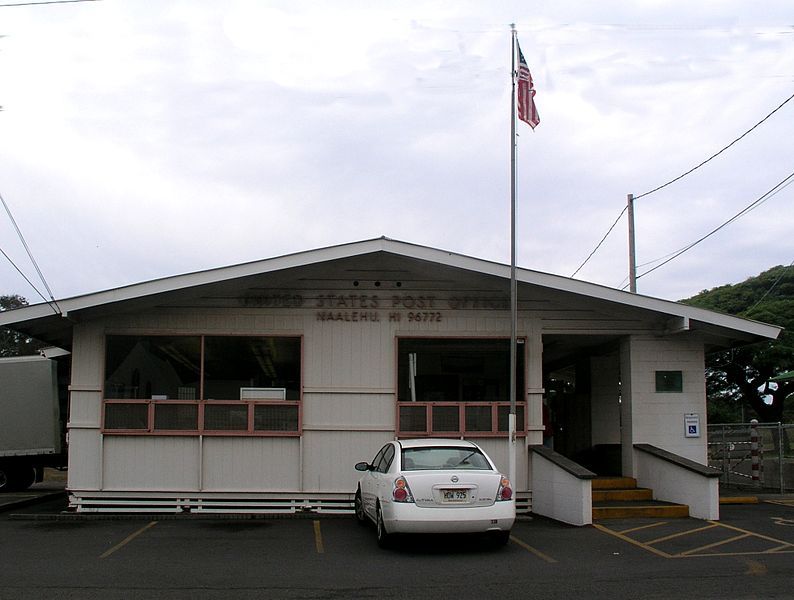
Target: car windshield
440,457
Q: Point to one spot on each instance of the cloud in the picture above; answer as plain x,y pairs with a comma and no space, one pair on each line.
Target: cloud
140,141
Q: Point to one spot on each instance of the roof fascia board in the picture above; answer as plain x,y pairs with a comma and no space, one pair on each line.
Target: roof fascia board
584,288
667,307
188,280
27,313
179,282
415,251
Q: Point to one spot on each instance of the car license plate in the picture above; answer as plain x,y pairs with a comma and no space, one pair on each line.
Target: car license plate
454,495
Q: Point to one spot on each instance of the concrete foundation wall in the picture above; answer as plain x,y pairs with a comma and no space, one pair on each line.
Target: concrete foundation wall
558,494
672,483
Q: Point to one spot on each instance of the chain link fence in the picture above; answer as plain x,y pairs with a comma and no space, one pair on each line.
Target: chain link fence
753,455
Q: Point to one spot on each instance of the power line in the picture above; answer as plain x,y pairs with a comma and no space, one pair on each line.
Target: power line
772,287
715,155
30,255
30,283
655,260
45,2
753,205
625,208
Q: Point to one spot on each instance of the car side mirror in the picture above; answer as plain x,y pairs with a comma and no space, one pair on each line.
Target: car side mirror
363,466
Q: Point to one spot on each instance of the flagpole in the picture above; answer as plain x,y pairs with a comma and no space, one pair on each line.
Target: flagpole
512,447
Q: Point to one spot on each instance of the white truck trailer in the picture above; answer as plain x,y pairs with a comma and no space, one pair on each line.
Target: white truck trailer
31,422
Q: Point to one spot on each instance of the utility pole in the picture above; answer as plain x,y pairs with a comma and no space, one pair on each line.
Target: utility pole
632,249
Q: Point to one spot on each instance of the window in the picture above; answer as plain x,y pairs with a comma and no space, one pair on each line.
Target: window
161,367
458,386
413,417
234,363
226,417
175,417
126,416
428,459
214,385
386,459
275,417
376,461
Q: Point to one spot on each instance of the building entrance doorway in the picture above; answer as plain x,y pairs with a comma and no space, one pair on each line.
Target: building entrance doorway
582,401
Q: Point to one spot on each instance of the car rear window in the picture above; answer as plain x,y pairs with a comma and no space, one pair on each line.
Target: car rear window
443,458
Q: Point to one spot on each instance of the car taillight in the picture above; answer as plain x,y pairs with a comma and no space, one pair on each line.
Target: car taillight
401,491
505,492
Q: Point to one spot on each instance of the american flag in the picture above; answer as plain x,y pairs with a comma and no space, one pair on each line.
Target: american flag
527,111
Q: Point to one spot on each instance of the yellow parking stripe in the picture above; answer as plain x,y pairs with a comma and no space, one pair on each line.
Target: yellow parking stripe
626,538
318,538
781,548
758,535
681,533
715,544
534,551
633,529
128,539
724,554
785,546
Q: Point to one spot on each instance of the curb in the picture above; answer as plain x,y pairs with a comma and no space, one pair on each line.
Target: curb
739,500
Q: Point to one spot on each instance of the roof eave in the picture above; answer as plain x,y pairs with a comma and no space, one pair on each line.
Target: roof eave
451,259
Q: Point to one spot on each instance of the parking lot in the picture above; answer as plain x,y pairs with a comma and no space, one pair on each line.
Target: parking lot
748,554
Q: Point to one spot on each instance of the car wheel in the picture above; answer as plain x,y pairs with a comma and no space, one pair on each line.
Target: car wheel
500,538
384,538
361,516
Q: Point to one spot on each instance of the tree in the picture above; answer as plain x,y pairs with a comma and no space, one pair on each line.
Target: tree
740,377
13,343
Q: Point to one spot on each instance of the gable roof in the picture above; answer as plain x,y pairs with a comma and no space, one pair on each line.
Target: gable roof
45,322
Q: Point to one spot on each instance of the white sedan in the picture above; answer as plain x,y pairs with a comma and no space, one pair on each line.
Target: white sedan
434,486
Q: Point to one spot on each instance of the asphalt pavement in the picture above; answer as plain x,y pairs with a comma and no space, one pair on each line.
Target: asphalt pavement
46,491
749,553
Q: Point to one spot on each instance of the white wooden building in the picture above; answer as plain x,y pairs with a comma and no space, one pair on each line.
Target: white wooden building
256,387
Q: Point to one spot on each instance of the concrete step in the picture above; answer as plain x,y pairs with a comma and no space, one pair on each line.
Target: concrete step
636,510
614,483
633,494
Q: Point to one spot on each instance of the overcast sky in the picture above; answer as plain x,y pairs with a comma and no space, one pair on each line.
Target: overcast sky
142,139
